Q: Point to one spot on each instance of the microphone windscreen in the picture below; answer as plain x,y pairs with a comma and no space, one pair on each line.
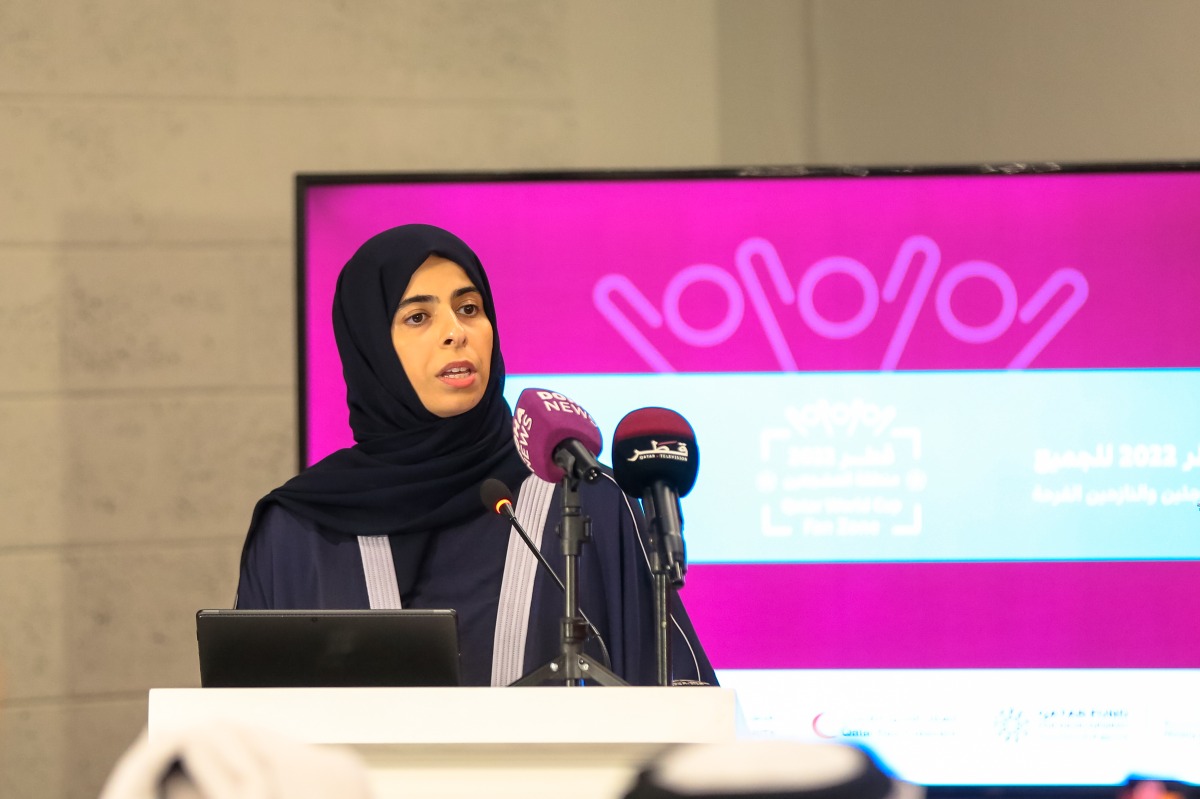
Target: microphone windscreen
544,419
652,445
493,492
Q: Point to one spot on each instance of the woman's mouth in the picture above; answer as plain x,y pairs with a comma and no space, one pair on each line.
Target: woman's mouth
458,375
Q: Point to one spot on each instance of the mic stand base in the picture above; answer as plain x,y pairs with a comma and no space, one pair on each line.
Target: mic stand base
570,670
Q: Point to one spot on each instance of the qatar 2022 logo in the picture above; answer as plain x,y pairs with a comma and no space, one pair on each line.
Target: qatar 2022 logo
759,287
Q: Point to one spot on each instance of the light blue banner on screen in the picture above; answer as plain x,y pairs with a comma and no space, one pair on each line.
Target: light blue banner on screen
926,466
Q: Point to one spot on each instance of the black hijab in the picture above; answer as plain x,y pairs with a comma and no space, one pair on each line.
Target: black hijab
409,470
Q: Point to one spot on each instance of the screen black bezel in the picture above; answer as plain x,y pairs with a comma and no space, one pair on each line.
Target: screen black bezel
309,180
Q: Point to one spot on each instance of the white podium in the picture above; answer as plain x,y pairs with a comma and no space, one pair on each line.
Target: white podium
460,742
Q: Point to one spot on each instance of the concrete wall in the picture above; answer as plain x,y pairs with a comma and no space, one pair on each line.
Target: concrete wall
938,81
147,149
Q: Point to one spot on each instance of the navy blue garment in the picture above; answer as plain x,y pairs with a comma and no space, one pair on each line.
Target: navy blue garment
291,563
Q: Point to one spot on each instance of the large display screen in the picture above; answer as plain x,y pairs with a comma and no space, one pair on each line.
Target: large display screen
948,422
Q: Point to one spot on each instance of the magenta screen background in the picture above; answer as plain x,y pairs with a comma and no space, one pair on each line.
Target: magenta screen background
1057,271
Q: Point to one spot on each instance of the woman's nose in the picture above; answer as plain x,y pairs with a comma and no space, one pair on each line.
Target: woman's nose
452,331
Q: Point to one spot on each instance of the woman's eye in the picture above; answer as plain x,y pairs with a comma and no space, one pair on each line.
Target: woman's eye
469,309
416,319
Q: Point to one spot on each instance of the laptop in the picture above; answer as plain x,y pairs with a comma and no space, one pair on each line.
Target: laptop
327,648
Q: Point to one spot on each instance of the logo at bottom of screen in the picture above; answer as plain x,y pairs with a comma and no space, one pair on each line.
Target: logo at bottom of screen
872,724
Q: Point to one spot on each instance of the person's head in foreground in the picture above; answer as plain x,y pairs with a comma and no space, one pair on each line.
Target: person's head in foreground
768,770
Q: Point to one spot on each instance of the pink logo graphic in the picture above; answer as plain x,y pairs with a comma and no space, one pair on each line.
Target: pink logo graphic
917,265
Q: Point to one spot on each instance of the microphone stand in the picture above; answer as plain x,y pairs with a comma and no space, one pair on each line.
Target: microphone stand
573,666
662,579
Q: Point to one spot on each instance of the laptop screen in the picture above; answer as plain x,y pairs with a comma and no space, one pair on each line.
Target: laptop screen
327,648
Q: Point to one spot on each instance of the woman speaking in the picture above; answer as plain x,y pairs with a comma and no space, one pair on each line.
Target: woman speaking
396,520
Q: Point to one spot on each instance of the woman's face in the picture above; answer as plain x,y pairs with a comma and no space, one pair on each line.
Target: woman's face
443,338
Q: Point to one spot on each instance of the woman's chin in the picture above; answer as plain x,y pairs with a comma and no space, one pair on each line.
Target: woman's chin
454,403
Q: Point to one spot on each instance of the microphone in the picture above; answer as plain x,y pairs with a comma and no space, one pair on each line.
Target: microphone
655,457
555,437
498,499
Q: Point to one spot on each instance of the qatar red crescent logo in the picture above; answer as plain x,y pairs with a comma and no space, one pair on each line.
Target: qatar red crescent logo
816,727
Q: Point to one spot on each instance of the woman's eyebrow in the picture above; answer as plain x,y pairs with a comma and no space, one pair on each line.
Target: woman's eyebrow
419,298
